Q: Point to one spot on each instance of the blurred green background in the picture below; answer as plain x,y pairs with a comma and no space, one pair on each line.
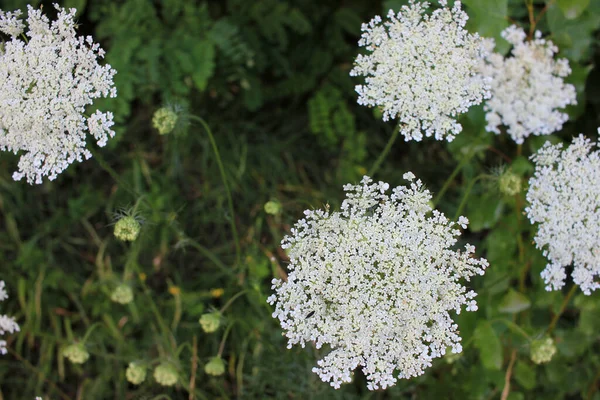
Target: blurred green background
271,79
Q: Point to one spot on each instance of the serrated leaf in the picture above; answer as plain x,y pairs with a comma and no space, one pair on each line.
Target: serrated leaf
203,54
514,302
488,343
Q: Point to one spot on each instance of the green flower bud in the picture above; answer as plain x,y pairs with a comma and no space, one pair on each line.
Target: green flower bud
122,294
542,350
273,207
215,367
164,120
76,353
136,373
166,375
509,183
210,322
127,229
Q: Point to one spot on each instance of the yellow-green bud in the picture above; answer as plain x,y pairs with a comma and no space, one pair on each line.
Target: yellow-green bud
510,183
210,322
165,374
164,120
273,207
136,373
127,229
542,350
122,294
215,367
76,353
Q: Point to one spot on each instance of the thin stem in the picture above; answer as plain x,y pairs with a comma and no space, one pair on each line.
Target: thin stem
89,331
222,345
113,174
234,231
231,300
385,151
561,309
511,325
450,179
506,390
194,368
466,195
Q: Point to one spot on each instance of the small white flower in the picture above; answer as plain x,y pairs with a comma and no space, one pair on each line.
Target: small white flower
7,324
376,283
564,200
46,83
527,88
421,69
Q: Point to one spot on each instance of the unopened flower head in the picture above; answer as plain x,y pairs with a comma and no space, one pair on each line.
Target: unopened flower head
122,294
166,375
127,228
528,88
165,120
376,282
76,353
210,322
135,373
215,367
46,83
509,183
7,324
542,350
564,200
421,69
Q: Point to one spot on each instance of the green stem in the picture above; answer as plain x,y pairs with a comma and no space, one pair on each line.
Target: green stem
234,231
385,151
231,300
450,179
466,195
222,345
113,174
561,309
89,331
511,325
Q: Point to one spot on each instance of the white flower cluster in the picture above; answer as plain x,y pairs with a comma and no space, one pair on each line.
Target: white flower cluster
421,69
564,199
46,82
7,324
527,88
376,282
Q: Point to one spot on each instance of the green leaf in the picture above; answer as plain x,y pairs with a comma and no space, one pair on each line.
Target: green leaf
524,375
203,55
572,8
488,343
514,302
489,18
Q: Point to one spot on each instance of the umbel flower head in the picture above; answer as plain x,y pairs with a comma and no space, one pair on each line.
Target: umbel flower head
46,83
135,373
122,294
127,228
564,200
76,353
542,350
7,324
527,88
210,322
421,69
376,282
215,367
166,374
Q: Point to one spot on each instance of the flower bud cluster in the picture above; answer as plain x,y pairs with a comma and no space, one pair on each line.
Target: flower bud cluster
564,199
528,87
376,282
421,69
